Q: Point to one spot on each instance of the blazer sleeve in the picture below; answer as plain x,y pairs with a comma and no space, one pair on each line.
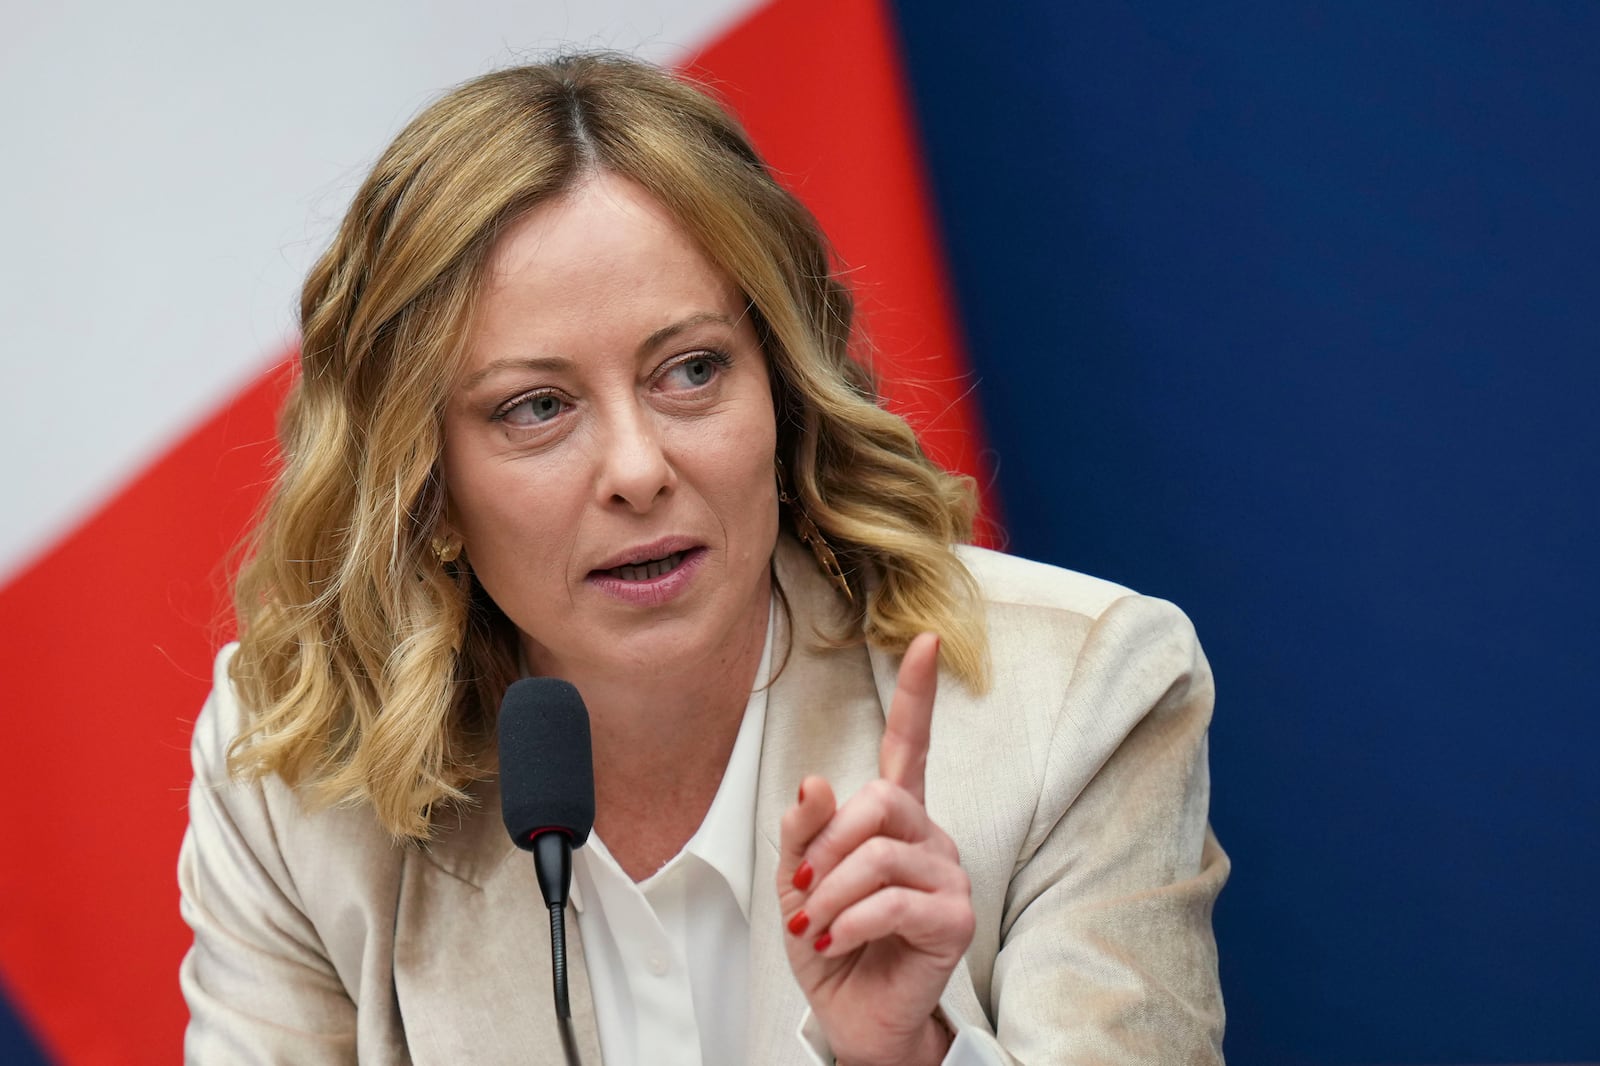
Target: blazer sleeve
1107,953
258,982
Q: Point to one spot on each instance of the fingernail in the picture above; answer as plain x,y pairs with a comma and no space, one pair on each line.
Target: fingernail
798,923
822,942
802,876
802,798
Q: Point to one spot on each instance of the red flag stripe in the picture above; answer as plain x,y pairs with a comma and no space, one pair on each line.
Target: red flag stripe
821,88
113,632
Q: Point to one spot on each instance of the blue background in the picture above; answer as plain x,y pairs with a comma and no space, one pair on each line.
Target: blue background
1287,313
16,1044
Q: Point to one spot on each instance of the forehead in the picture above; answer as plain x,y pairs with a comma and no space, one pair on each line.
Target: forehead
603,262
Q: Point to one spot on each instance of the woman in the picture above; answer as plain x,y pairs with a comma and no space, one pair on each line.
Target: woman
577,399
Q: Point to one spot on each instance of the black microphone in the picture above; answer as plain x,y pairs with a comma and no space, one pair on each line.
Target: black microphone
547,794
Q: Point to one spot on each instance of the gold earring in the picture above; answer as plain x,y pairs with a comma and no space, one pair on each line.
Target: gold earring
445,549
811,536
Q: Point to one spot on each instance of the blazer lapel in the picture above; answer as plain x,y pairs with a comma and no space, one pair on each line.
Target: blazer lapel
823,717
472,953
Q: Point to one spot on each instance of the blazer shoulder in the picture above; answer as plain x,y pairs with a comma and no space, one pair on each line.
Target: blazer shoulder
319,856
1008,579
219,721
1049,626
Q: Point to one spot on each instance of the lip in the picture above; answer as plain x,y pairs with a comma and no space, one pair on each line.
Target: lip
657,590
640,553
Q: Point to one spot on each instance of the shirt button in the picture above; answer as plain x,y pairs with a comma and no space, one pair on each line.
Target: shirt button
658,965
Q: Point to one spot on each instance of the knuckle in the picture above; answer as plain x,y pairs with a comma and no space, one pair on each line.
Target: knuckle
965,924
881,792
789,824
797,821
877,850
821,848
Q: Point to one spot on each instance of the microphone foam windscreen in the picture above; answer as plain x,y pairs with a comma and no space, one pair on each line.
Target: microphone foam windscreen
546,766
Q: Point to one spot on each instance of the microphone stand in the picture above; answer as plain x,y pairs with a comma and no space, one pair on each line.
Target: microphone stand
552,862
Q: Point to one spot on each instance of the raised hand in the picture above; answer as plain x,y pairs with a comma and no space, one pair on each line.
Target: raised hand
879,911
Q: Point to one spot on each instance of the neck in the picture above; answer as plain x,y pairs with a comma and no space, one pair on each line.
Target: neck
662,739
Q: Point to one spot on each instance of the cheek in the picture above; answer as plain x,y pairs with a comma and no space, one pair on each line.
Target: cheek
466,492
502,509
455,472
754,479
745,457
519,541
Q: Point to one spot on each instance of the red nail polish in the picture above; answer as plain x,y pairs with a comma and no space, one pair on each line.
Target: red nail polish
823,941
798,923
802,798
802,876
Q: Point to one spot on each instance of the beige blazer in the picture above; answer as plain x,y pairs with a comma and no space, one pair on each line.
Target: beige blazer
1076,790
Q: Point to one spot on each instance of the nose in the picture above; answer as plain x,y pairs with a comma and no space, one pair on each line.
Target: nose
634,468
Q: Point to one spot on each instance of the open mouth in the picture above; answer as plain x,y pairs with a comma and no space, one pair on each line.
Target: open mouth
648,570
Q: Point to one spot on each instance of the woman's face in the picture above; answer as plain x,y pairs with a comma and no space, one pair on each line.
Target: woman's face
609,443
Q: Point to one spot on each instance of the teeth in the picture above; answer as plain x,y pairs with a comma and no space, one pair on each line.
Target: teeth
649,571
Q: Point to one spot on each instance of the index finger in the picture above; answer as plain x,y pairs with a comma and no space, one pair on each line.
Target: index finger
903,755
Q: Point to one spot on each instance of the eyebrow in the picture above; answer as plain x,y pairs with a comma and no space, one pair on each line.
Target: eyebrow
666,333
550,364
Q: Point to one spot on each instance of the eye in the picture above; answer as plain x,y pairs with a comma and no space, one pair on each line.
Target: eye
532,410
696,371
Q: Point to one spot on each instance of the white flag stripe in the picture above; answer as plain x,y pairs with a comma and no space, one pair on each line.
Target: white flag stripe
171,172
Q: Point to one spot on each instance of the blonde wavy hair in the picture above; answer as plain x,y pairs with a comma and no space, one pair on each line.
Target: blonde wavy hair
372,672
